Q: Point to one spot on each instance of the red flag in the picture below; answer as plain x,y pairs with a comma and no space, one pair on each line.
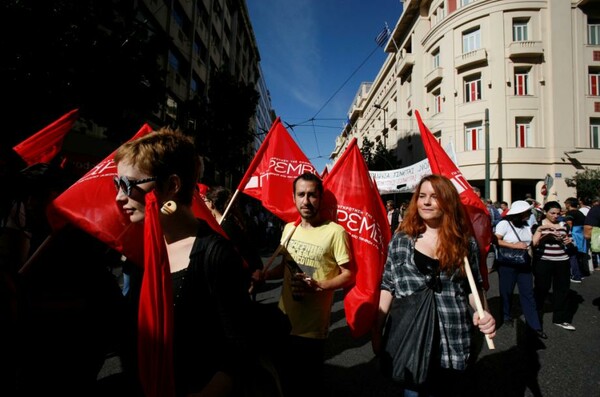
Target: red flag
351,198
324,173
481,223
90,205
42,146
155,312
270,176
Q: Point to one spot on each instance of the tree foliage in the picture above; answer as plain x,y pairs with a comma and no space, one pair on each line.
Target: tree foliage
377,157
94,55
586,182
224,133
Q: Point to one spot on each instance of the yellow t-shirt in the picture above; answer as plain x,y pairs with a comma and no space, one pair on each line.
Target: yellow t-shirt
319,252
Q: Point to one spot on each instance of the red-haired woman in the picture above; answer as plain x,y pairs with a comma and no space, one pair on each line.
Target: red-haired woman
431,243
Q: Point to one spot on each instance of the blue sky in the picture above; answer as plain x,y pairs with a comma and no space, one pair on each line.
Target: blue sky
310,50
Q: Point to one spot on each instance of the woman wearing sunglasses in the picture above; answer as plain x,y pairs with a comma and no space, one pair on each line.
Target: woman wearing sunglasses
208,300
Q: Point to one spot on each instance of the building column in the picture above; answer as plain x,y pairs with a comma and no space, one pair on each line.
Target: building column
507,191
493,191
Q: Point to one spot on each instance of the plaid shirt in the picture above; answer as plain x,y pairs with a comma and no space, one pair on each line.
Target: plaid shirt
401,278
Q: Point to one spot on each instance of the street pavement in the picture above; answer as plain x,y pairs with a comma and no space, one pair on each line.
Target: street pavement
521,365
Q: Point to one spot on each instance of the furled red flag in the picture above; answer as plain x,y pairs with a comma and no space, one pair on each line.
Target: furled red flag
441,164
155,312
90,205
270,176
352,200
42,146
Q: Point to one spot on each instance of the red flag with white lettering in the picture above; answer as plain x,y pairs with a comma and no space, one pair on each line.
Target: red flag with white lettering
441,164
352,200
42,146
90,205
270,176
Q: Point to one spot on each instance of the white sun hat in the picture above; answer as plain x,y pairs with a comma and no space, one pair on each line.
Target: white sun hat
518,207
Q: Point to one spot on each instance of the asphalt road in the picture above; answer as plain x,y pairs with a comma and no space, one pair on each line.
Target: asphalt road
565,364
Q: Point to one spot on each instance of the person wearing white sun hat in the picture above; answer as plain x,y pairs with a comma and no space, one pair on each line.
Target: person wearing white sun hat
514,232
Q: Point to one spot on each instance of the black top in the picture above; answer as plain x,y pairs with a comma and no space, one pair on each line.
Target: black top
210,304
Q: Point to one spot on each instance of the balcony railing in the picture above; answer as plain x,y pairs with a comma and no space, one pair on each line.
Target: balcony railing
471,58
434,77
524,48
405,64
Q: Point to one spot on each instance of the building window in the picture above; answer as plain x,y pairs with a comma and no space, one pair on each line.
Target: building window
471,40
435,55
439,14
465,2
520,31
473,136
437,101
593,32
595,133
174,61
523,132
473,88
522,81
594,83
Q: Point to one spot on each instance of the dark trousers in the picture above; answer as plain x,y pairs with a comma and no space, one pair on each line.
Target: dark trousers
302,372
555,275
575,270
509,277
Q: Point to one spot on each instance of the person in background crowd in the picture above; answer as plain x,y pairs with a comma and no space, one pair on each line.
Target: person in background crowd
505,208
434,236
393,215
403,208
315,263
514,232
575,220
536,213
584,205
552,266
217,199
592,220
210,300
494,213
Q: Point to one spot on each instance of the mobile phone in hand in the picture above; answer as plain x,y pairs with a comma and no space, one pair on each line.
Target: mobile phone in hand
294,267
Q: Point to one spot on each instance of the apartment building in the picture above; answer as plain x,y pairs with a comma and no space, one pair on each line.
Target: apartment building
205,35
524,74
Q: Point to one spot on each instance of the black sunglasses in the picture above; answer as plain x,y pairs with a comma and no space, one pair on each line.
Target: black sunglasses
126,184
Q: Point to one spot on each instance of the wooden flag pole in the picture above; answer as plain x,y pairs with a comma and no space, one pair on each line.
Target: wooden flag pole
279,248
235,194
475,293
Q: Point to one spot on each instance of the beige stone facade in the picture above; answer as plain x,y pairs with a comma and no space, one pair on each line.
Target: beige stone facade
532,66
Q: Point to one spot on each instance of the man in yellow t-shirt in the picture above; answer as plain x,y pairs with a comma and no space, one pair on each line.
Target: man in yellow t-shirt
317,258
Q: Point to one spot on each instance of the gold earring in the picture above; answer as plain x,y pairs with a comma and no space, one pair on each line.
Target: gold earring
169,207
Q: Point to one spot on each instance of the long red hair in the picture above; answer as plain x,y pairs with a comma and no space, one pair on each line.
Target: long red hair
454,231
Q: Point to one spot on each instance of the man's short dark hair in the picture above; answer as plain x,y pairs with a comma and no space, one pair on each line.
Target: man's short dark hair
572,201
310,177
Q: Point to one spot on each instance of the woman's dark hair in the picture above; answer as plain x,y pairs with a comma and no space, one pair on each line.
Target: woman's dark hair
551,204
220,197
